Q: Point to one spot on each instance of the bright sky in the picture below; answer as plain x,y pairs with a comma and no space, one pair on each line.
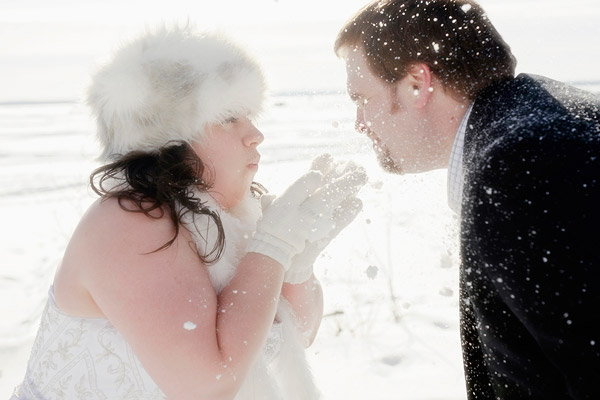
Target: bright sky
49,49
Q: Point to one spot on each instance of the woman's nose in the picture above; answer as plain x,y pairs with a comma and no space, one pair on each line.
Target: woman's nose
254,137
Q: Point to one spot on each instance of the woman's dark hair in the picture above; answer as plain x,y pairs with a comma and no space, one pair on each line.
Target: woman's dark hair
163,181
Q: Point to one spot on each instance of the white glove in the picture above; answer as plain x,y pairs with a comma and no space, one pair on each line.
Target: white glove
303,212
301,268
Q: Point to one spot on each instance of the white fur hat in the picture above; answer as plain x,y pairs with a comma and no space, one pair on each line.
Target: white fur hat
166,85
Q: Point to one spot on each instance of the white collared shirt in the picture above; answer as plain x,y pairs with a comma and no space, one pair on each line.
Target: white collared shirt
455,167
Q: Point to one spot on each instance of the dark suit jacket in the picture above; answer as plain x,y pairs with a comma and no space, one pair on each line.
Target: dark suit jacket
530,242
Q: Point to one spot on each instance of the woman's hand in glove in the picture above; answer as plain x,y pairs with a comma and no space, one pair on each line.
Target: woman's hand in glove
308,215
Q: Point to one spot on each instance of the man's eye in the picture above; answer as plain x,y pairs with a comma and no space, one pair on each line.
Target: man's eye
230,120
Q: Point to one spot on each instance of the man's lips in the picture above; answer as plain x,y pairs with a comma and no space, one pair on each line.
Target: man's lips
375,141
371,135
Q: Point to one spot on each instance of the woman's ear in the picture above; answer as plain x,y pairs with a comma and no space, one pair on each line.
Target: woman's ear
420,81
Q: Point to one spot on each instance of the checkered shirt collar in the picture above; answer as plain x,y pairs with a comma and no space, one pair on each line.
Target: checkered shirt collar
455,167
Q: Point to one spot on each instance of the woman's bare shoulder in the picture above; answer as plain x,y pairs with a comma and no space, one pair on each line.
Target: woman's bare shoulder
110,240
121,224
124,213
112,236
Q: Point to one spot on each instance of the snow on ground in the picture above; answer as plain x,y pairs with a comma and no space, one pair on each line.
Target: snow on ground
390,279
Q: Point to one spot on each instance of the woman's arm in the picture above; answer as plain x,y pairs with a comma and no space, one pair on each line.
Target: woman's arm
193,343
306,300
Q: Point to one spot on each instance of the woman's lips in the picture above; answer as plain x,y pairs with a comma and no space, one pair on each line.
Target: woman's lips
254,163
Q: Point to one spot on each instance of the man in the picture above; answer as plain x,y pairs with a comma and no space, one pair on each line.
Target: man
434,87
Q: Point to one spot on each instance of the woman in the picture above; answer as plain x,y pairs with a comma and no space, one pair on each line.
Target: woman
169,287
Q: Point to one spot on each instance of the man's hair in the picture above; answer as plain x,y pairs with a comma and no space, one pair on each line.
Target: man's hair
453,37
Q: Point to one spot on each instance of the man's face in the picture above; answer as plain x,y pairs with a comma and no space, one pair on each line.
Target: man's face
388,115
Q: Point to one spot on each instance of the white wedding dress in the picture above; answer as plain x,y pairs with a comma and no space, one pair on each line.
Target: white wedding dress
87,358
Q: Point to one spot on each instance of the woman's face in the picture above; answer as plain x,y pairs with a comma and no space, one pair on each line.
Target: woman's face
228,151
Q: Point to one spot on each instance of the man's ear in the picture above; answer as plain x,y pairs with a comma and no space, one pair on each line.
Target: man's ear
420,80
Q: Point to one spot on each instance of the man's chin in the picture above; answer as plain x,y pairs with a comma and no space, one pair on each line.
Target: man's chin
388,164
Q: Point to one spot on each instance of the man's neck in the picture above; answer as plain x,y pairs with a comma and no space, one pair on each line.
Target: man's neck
451,113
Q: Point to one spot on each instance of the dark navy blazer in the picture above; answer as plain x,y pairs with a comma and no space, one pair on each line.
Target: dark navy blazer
530,242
